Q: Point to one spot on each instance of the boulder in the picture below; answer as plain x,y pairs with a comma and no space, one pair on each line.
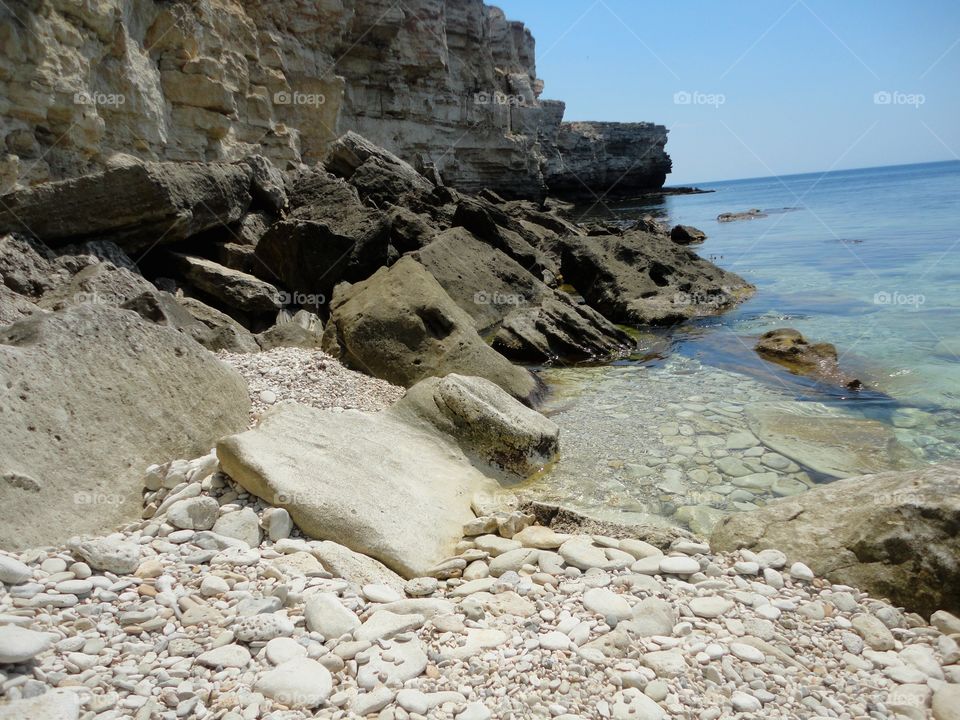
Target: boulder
745,215
29,268
642,278
266,184
530,321
488,424
400,325
788,348
373,482
893,534
101,283
238,290
687,235
223,332
302,330
95,395
329,236
828,443
379,175
14,306
136,206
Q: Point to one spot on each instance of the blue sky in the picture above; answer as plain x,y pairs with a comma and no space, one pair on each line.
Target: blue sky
754,88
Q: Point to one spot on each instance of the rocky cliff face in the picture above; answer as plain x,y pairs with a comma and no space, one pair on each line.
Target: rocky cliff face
445,84
589,160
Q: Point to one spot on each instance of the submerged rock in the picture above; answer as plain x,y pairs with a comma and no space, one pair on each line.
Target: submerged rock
833,445
745,215
892,534
788,348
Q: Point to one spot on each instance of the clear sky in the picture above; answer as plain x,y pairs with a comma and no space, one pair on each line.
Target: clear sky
754,88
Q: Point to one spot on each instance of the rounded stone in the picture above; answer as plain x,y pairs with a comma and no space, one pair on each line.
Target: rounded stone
196,513
19,644
299,683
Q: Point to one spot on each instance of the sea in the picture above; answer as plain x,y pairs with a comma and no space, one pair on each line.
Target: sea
868,260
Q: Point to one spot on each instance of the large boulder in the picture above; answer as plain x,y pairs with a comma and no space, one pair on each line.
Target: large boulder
328,237
222,331
379,175
92,396
400,325
137,206
489,425
237,290
642,278
381,486
893,534
529,321
101,283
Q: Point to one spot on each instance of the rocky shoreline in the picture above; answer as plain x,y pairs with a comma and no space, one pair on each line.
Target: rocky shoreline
279,287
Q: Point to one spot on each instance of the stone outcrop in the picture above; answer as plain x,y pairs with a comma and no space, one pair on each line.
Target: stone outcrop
642,278
93,395
396,485
818,361
592,160
400,325
450,86
893,534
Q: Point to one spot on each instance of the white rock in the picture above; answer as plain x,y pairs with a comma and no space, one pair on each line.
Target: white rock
13,572
279,523
262,627
196,513
373,701
421,587
282,649
51,705
299,683
380,593
607,603
474,711
710,607
631,704
583,554
19,644
677,565
383,625
243,525
212,585
555,640
665,663
110,554
393,662
747,653
799,571
873,632
229,656
742,702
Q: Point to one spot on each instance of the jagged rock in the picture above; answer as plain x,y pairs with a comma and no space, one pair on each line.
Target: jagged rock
136,207
342,476
104,393
486,422
29,268
492,225
892,534
267,186
377,174
102,284
14,307
788,348
687,235
590,160
303,330
223,332
329,236
531,321
401,326
234,289
644,279
410,230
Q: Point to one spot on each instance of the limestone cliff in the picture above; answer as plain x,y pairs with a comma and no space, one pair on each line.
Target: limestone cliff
448,84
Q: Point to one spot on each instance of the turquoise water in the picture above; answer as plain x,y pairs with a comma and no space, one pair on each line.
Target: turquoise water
868,260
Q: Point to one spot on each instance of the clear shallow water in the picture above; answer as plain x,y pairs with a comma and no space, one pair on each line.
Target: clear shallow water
868,260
